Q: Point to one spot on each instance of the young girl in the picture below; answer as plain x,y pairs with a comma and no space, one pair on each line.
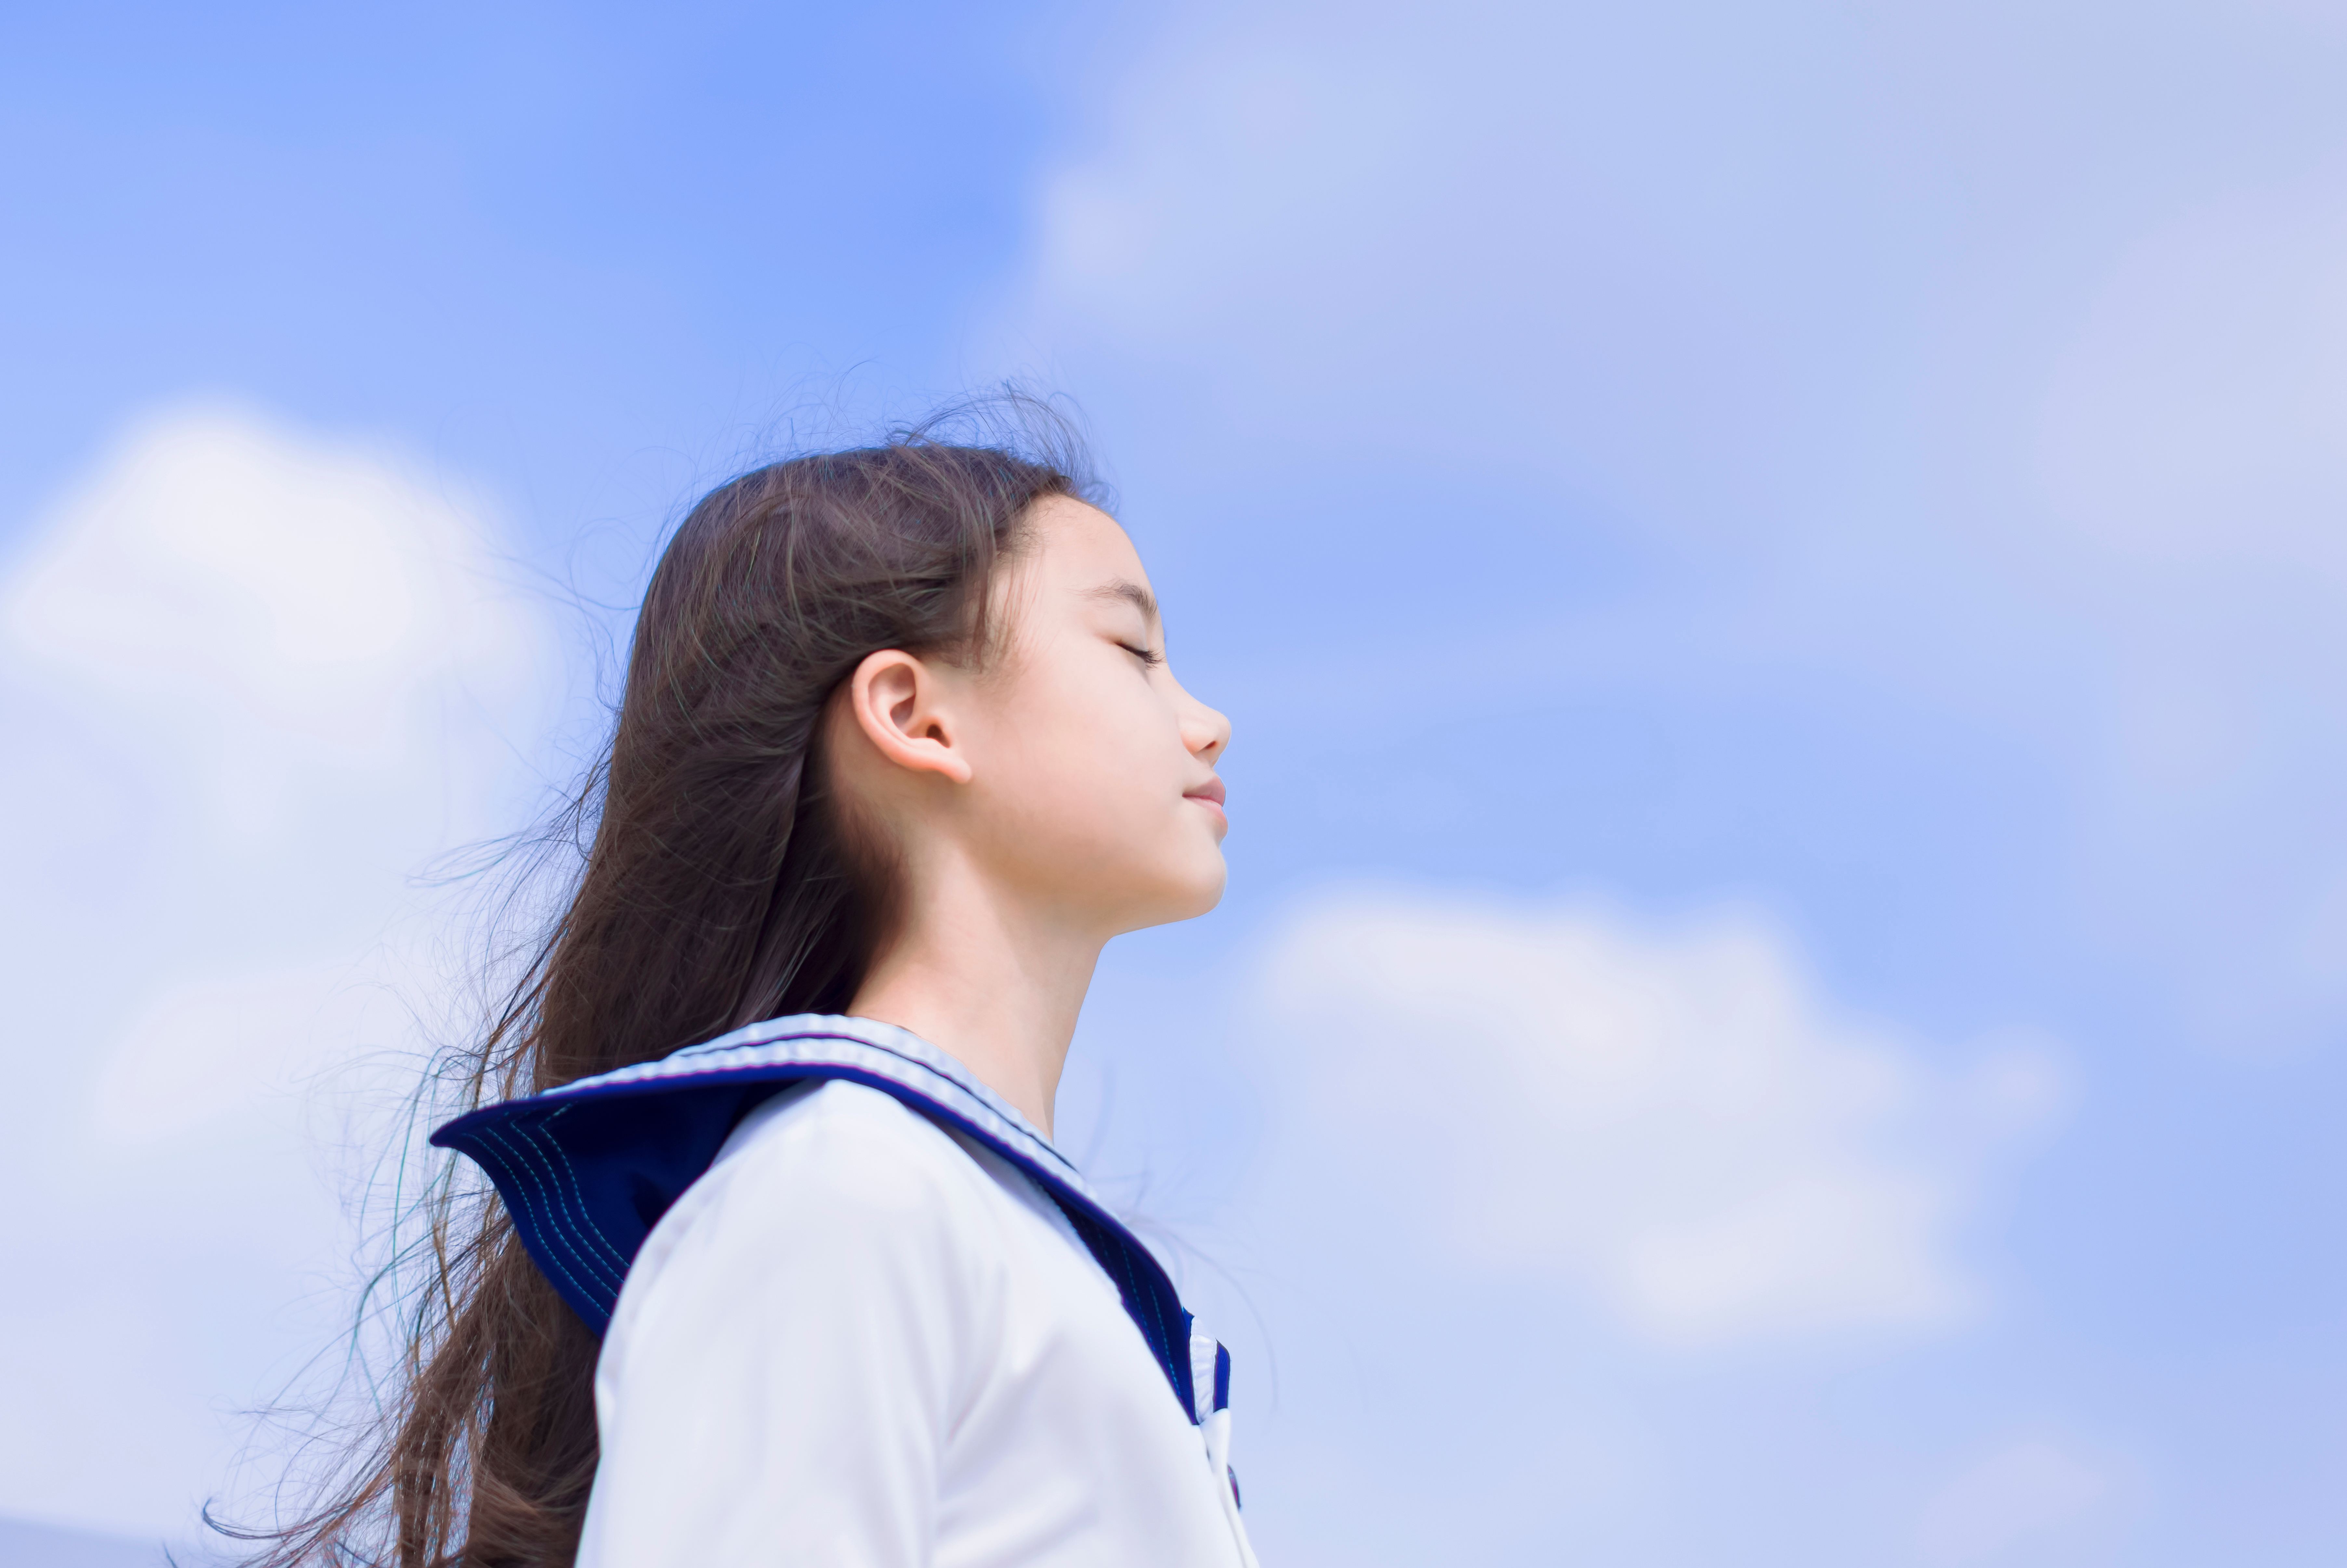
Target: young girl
785,1268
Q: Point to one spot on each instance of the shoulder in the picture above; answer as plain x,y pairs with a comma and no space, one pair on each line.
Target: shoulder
797,1333
840,1141
827,1183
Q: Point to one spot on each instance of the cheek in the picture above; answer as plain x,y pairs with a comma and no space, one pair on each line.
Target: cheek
1096,769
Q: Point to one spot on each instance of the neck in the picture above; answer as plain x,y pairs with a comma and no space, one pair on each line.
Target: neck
996,984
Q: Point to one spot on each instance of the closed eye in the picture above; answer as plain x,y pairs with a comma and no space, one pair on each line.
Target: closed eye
1148,656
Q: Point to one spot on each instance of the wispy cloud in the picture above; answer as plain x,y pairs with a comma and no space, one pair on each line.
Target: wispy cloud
2035,1498
2081,491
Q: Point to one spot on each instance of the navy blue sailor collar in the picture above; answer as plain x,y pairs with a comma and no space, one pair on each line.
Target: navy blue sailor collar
587,1169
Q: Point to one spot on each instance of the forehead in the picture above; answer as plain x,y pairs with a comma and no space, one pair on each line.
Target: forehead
1078,547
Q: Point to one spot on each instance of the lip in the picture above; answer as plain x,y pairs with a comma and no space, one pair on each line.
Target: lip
1211,796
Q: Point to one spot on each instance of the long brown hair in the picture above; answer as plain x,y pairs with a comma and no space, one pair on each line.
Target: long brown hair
719,886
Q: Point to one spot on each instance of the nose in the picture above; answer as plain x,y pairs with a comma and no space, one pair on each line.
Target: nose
1204,731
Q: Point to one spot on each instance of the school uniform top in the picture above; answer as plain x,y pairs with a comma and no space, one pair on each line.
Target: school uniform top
883,1324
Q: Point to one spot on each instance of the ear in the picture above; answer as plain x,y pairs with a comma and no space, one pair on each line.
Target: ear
899,704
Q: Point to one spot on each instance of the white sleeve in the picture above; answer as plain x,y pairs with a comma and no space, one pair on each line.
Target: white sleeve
789,1353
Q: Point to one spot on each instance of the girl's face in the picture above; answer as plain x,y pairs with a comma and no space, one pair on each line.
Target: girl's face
1092,783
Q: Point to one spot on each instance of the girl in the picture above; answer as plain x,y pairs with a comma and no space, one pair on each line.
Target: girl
784,1267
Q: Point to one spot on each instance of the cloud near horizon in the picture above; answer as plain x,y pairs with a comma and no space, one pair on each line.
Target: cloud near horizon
1673,1118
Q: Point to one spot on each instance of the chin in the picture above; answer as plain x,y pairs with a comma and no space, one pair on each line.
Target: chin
1183,899
1207,893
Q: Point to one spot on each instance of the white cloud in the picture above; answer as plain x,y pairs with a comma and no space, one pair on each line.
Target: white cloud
1673,1118
255,680
310,585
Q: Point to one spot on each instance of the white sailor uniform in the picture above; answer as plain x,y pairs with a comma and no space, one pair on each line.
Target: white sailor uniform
873,1319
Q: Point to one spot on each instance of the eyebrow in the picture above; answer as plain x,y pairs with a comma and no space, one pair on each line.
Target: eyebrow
1130,593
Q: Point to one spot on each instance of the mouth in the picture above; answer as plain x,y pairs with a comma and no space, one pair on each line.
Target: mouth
1210,795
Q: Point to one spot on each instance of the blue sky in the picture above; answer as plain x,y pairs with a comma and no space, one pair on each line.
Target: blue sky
1778,573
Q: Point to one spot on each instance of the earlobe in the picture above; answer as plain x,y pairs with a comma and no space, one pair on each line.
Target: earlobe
897,702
